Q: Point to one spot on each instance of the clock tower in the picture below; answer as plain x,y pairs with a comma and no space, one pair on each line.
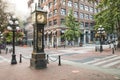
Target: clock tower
39,19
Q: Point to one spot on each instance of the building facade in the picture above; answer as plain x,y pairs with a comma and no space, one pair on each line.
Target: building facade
58,9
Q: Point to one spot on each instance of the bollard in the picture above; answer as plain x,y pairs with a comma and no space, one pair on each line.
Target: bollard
59,64
0,51
115,47
109,45
20,58
9,50
6,50
113,51
96,49
47,59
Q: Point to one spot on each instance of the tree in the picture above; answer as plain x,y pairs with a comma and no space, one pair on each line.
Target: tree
73,30
8,35
4,22
109,16
3,15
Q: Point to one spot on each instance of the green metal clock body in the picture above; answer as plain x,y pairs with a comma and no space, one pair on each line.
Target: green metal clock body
38,59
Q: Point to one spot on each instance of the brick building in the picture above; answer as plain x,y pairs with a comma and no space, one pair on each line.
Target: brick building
58,9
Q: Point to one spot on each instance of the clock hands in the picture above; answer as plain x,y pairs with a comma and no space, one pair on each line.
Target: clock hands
40,18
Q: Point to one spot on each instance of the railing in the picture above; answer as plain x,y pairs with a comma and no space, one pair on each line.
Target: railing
48,59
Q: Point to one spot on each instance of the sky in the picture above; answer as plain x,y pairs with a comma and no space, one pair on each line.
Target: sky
21,8
21,5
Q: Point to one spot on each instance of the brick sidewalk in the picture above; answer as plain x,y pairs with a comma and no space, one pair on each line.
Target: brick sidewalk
22,71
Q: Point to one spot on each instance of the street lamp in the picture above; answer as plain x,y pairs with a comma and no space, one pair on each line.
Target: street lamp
1,35
101,32
0,41
13,26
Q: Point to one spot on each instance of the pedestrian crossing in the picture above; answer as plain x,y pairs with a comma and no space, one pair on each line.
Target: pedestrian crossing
2,59
111,61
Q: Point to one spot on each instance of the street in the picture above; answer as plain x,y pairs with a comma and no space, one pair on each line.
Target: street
83,57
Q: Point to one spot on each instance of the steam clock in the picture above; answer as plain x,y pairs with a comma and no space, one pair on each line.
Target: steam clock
39,19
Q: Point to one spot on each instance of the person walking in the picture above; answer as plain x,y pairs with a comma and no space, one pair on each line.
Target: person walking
64,44
54,45
6,50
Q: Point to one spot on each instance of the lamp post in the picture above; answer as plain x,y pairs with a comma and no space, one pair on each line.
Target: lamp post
100,32
1,35
13,25
0,41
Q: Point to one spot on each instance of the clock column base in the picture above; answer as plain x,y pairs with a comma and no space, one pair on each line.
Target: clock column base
38,61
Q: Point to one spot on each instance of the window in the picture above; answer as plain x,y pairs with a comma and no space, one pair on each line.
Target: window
63,11
91,9
50,14
82,0
90,2
86,16
41,1
63,2
75,14
50,5
70,3
96,10
76,5
55,12
55,2
91,24
86,8
82,24
96,3
82,15
50,23
82,6
86,24
91,17
86,1
55,21
62,21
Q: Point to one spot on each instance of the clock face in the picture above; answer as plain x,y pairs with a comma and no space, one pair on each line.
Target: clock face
40,18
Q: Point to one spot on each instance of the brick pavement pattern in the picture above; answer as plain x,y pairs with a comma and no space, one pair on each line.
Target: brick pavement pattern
23,71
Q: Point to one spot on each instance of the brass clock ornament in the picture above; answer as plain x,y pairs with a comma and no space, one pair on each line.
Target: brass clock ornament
40,18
